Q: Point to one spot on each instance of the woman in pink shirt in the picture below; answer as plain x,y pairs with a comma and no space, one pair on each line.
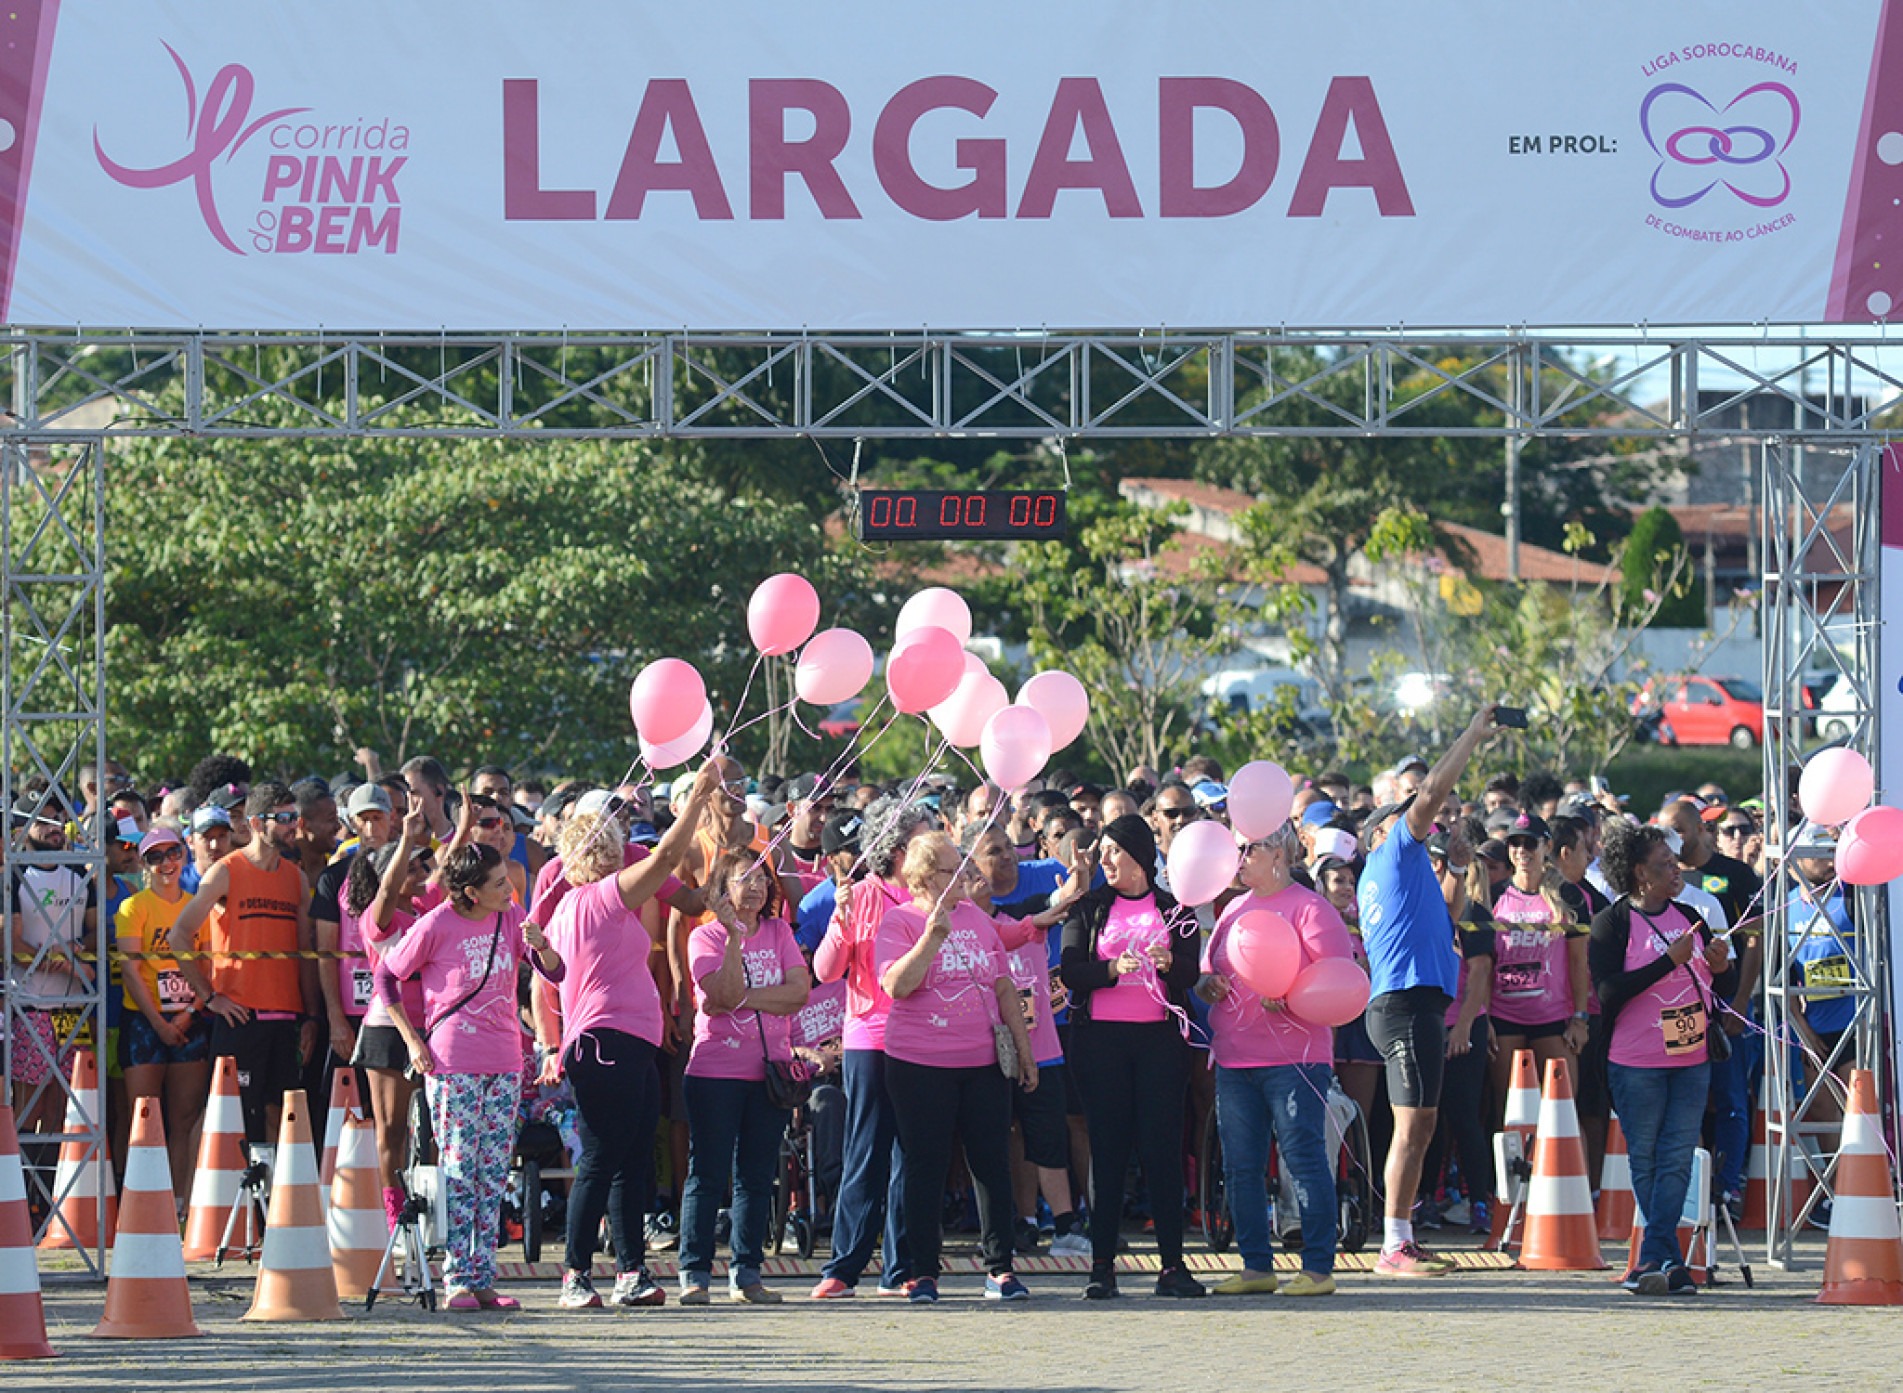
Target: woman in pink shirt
749,979
468,1049
1540,982
611,1032
1272,1076
943,964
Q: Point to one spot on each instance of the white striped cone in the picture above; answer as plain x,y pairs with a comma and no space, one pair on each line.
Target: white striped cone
220,1168
294,1275
1562,1234
1522,1116
357,1224
344,1103
22,1315
76,1223
148,1298
1616,1203
1863,1265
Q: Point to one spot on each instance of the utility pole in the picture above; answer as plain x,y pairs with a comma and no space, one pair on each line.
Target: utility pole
1512,505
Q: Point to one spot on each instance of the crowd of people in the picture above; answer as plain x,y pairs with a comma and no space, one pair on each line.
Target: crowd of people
988,1008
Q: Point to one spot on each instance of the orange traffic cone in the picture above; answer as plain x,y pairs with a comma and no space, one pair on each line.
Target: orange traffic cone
1616,1205
294,1276
1522,1117
344,1102
358,1226
76,1222
22,1316
147,1298
1863,1266
1561,1234
220,1168
1769,1118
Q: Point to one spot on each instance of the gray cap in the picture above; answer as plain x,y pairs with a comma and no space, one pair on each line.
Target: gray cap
368,798
210,815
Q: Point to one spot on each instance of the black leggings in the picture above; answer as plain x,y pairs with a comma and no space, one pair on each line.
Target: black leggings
618,1098
933,1106
1463,1096
1134,1076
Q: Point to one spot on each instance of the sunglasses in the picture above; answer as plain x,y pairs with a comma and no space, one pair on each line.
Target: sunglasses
1178,814
1737,829
164,855
489,824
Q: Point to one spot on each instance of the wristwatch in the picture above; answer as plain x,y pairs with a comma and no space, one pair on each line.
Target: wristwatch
1580,1015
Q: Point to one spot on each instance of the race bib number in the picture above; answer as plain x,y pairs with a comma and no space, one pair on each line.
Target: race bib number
175,993
1519,979
1060,994
1684,1028
362,988
66,1019
1827,973
1027,1003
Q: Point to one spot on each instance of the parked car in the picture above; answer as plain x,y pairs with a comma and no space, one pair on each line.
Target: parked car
1243,690
1838,710
1703,711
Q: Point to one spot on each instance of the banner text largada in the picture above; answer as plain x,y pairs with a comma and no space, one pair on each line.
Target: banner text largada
1350,117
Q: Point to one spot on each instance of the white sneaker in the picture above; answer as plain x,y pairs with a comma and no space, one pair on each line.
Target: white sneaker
1070,1245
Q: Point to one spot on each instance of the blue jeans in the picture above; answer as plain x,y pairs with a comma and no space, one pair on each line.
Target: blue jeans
872,1177
1661,1111
733,1131
1290,1102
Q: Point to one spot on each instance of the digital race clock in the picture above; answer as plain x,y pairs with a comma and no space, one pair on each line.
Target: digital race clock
932,515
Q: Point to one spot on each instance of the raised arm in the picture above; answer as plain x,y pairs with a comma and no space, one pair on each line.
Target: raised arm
639,883
1443,777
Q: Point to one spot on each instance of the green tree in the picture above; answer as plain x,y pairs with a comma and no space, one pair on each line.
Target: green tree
1658,544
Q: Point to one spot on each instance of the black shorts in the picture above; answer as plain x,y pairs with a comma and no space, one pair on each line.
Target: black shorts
1042,1119
1410,1029
381,1047
1593,1097
1073,1095
139,1043
265,1053
1546,1030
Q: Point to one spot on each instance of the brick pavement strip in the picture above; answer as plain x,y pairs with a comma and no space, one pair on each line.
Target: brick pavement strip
1479,1329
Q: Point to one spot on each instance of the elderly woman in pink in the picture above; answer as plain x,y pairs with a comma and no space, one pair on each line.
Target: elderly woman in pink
1272,1075
942,963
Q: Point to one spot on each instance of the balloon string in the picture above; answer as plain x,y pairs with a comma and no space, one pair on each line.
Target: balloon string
745,691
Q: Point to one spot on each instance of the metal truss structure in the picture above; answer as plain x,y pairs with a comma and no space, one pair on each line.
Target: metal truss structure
1821,538
71,391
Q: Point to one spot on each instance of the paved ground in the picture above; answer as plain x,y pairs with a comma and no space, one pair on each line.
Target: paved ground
1480,1329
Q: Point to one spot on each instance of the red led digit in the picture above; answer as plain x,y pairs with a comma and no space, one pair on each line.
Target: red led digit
948,510
1019,513
880,514
906,512
975,510
1046,511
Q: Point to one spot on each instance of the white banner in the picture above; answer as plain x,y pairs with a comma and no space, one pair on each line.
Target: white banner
627,164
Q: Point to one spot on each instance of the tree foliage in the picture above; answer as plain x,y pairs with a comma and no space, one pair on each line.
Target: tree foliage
1658,543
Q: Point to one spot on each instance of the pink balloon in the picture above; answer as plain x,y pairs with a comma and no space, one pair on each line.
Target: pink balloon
935,608
1330,992
1203,861
833,667
1837,784
666,699
1015,745
962,715
674,752
923,668
1870,848
1260,796
1265,952
1062,701
782,614
973,663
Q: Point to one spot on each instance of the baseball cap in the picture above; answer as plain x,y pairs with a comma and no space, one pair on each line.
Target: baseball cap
1210,794
799,788
1315,814
841,832
209,815
1408,762
596,802
158,837
227,797
1492,850
1333,846
368,798
764,810
1529,825
122,829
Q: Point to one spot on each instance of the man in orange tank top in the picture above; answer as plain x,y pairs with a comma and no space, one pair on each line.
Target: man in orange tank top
264,1009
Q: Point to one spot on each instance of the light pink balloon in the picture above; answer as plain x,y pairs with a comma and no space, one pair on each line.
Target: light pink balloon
923,668
782,614
1330,992
666,699
1062,701
935,608
1870,848
833,667
962,715
1265,952
973,663
1837,784
1203,861
1260,796
679,751
1015,746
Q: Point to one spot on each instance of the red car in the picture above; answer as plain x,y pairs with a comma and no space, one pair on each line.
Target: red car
1707,711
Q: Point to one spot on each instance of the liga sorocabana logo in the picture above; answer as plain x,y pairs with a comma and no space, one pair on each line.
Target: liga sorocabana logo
1720,135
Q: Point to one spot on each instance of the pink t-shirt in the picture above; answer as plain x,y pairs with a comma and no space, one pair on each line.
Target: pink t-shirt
1532,972
551,886
1654,1029
606,982
350,938
1133,926
1244,1033
729,1044
822,1020
1030,967
449,954
947,1022
852,940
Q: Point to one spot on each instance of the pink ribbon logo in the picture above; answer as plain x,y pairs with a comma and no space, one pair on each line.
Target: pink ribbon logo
218,127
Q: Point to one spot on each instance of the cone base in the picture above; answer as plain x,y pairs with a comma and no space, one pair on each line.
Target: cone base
28,1350
256,1316
1539,1263
140,1330
1861,1292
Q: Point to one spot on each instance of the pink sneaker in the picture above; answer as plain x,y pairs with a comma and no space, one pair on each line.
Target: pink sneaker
831,1289
1411,1260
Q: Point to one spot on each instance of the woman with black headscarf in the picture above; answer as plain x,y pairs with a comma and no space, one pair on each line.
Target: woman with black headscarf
1130,956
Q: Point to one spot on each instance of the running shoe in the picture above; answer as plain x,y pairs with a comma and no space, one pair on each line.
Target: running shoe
831,1289
636,1288
1102,1285
755,1294
922,1292
1006,1288
1457,1215
1482,1219
1308,1284
578,1293
886,1288
1411,1260
696,1295
1679,1281
1176,1281
1239,1285
1026,1236
1647,1281
1070,1245
663,1231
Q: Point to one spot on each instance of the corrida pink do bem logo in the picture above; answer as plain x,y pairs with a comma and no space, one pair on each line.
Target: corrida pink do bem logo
323,187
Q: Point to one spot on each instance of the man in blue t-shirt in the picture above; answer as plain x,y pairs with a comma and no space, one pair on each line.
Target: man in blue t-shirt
1409,939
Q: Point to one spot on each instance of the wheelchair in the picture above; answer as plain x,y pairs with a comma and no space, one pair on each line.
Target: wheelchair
800,1204
1354,1182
